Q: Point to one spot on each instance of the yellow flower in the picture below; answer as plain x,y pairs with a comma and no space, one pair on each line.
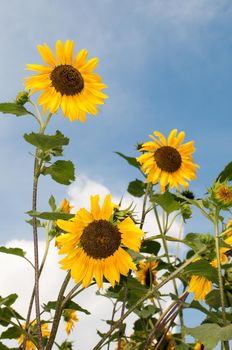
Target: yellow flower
65,206
168,160
201,286
33,331
223,250
70,317
198,346
122,345
222,194
94,242
67,82
146,273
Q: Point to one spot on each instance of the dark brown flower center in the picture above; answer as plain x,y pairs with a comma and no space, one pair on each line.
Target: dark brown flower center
100,239
148,278
168,159
67,80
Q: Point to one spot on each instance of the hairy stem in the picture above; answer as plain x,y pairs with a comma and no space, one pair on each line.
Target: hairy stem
220,279
122,313
58,313
148,188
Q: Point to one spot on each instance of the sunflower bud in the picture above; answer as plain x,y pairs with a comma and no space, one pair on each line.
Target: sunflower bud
65,206
221,194
22,98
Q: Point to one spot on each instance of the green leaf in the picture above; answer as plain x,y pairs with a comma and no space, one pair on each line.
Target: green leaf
14,108
130,160
52,216
198,241
9,300
202,268
147,311
11,333
13,251
52,203
47,142
62,171
51,305
151,247
210,334
137,188
167,201
226,174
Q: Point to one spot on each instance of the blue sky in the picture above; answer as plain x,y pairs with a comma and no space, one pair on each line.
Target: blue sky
168,64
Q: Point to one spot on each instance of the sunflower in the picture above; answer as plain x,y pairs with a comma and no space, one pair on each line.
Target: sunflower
67,82
223,251
70,317
95,244
122,345
221,193
146,273
29,345
169,160
201,286
65,206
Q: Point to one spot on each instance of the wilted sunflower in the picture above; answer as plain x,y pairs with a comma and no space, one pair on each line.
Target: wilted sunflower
29,345
70,317
67,82
168,160
95,244
201,286
146,273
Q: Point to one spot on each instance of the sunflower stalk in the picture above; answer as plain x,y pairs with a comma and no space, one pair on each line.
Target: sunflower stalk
58,313
163,232
112,320
122,313
144,212
35,292
148,295
220,278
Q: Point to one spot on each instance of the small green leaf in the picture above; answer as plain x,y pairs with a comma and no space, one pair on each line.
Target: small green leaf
11,333
210,334
62,171
167,201
147,311
47,142
151,247
202,268
198,241
52,216
130,160
71,305
14,108
13,251
52,203
226,174
137,188
9,300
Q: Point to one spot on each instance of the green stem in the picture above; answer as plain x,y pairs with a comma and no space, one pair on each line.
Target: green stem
148,188
148,295
220,278
58,313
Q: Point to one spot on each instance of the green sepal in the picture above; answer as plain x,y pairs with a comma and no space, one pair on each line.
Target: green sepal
62,171
14,108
